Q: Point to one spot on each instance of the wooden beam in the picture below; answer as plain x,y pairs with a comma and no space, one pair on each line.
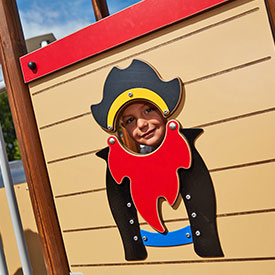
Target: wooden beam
12,46
100,9
271,12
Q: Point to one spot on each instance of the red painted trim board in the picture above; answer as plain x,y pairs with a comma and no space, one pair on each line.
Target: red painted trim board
135,21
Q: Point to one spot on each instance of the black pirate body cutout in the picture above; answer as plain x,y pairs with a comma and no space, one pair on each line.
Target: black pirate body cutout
131,184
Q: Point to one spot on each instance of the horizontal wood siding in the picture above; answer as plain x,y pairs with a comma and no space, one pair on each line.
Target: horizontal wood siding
30,232
237,191
225,58
225,268
241,237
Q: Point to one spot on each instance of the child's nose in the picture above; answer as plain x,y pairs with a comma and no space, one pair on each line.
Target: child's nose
141,123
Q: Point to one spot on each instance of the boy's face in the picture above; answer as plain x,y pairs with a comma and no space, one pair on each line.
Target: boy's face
144,123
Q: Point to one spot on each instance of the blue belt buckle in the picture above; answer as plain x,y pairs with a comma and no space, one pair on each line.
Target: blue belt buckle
173,238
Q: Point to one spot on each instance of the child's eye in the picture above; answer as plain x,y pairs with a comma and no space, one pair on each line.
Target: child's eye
129,120
148,110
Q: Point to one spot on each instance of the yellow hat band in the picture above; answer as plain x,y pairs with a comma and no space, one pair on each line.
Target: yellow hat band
133,94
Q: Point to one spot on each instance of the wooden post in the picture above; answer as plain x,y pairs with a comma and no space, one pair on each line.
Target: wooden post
100,9
271,11
12,46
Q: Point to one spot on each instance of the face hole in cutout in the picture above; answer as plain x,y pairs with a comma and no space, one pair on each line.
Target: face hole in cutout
141,127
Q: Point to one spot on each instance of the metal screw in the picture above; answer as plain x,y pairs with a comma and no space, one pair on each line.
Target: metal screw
198,233
188,197
135,238
130,94
144,238
112,140
194,215
129,204
166,112
188,235
109,127
172,125
131,221
32,65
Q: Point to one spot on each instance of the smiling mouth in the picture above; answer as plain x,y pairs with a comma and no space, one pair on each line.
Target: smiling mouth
149,134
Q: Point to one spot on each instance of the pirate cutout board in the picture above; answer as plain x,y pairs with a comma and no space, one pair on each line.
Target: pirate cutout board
137,99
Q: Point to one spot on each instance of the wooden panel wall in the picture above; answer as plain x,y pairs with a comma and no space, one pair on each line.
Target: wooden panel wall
30,231
225,57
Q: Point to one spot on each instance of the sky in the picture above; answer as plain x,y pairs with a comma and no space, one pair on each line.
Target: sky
61,17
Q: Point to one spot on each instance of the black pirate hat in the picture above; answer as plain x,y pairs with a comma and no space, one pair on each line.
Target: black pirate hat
137,82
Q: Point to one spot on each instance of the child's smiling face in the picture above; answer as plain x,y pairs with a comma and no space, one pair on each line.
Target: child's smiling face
144,123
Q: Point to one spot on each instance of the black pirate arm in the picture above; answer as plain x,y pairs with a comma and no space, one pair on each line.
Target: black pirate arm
124,214
199,198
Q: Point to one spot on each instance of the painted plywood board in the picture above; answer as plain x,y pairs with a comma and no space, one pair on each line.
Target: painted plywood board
238,142
241,237
238,190
30,232
78,174
87,173
214,268
204,53
234,142
226,59
195,24
230,94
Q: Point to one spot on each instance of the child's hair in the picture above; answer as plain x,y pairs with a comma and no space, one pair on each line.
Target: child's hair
126,139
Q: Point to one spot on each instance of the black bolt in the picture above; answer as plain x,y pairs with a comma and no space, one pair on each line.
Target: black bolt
32,65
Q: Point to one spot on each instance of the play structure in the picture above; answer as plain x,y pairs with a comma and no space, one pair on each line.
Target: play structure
223,54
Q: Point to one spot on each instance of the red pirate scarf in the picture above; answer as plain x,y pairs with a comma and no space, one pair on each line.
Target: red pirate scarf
154,175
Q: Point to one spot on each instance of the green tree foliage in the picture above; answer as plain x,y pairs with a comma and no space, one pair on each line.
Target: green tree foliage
8,129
